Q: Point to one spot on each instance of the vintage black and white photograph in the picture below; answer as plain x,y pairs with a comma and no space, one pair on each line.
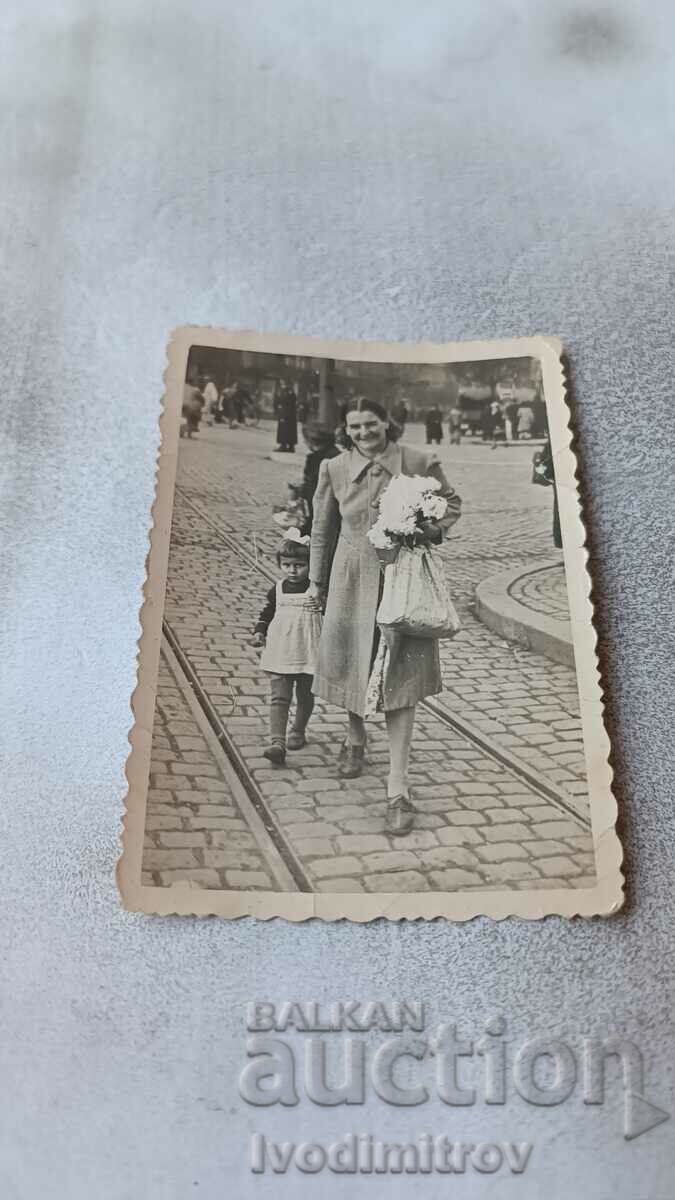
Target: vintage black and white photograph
369,700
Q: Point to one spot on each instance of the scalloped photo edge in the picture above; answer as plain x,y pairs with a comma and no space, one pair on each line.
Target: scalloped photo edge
184,898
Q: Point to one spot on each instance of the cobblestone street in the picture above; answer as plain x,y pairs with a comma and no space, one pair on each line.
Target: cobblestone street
497,764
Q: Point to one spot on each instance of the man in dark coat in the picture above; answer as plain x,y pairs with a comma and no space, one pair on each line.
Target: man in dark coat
287,425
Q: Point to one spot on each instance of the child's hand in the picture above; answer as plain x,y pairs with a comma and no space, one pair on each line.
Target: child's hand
293,490
258,639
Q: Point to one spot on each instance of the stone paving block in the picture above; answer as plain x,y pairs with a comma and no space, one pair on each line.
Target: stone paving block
246,880
501,852
206,784
182,839
507,833
544,849
389,860
318,785
454,878
197,877
559,866
155,860
163,822
556,829
341,812
461,836
313,847
397,881
580,841
448,856
436,804
467,818
206,770
162,782
223,837
292,816
505,815
417,839
277,788
365,824
311,829
222,858
428,821
542,812
341,865
219,824
362,843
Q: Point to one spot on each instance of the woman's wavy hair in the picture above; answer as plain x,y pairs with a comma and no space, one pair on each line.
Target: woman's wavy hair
363,404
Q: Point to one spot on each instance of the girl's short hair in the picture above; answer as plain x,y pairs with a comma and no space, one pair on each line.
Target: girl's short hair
363,404
291,549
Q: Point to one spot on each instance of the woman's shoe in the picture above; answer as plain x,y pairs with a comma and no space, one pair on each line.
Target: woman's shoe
295,740
400,816
276,753
350,762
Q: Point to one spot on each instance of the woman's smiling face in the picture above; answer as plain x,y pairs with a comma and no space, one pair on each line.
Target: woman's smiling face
367,431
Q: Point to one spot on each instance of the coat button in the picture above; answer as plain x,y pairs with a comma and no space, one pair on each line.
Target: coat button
376,469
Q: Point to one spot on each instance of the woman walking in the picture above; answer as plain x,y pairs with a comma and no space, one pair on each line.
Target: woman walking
346,505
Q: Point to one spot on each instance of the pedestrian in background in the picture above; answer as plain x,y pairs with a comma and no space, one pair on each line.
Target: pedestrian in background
511,420
210,399
193,403
487,422
400,414
433,421
525,421
543,473
287,422
455,424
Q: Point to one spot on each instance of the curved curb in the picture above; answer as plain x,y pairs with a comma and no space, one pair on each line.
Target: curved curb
496,608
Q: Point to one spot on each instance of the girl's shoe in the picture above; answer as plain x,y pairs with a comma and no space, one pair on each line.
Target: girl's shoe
400,816
295,740
350,761
276,753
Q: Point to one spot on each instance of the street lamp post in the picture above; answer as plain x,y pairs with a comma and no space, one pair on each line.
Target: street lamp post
328,414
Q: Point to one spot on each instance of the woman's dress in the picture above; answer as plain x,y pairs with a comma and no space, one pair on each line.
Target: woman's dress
342,558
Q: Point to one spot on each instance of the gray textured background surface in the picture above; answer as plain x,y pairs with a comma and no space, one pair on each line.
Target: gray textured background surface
400,170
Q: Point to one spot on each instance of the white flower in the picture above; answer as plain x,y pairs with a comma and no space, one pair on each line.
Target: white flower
378,536
434,507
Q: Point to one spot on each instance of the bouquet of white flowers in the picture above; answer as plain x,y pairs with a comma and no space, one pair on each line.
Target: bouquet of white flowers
406,504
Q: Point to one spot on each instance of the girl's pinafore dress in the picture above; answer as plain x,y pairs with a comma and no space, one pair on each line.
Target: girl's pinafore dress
293,635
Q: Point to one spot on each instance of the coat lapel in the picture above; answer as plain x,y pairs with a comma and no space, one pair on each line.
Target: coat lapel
389,461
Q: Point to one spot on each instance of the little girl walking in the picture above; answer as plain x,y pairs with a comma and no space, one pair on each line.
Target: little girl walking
289,627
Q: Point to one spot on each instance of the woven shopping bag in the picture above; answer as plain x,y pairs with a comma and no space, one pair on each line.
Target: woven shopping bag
415,598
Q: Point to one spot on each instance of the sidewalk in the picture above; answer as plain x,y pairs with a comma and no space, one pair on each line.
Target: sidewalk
531,608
